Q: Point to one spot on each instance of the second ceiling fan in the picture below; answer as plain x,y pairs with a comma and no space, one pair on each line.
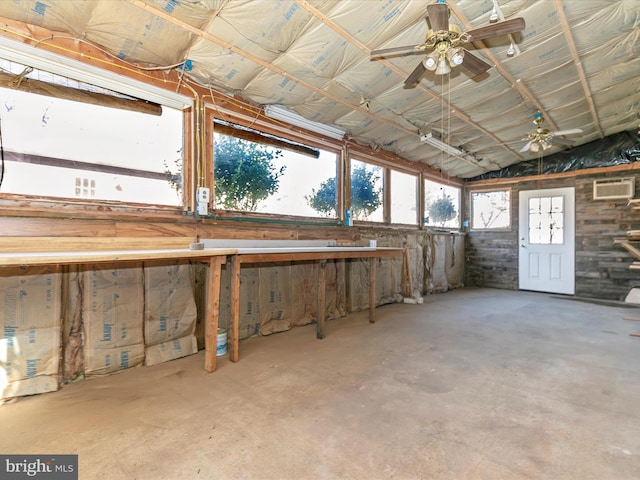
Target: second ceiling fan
445,42
542,139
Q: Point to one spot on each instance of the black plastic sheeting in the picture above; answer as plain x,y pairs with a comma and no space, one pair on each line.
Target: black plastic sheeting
619,149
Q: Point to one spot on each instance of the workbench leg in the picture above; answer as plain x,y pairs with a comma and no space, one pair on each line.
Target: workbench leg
372,289
212,313
234,323
322,282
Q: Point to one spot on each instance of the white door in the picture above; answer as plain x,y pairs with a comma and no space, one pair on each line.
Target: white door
546,258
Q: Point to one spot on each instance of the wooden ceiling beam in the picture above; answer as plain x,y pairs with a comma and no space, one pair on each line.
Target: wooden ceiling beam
578,63
451,108
267,65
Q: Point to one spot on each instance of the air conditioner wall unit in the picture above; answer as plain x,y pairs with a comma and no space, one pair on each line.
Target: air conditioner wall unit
613,188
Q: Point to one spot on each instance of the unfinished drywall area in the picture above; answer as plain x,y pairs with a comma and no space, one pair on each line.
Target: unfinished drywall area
105,318
112,318
601,266
31,321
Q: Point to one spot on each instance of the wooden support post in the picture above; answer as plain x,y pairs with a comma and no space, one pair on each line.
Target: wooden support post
212,313
234,298
407,266
372,289
322,288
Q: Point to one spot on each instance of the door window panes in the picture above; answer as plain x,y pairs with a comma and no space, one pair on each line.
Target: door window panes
546,220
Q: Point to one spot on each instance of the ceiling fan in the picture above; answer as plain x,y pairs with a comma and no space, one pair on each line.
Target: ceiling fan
542,139
445,44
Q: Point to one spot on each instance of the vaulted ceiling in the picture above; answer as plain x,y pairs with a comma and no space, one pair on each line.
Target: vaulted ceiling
577,62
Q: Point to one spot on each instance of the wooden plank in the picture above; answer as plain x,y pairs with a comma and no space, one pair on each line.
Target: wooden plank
262,243
87,244
70,258
630,248
372,289
176,228
407,265
212,313
234,299
10,226
334,253
555,176
322,287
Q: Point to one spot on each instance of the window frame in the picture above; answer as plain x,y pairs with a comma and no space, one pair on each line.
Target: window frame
262,125
52,65
472,227
417,192
459,188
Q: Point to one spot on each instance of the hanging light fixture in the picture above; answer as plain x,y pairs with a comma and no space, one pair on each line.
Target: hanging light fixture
431,61
455,56
443,66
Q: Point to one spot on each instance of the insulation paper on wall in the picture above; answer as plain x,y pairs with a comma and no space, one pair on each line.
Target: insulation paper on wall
112,315
30,320
274,297
447,262
170,312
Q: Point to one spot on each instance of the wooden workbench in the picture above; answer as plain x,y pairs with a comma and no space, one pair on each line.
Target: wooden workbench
215,257
321,255
31,251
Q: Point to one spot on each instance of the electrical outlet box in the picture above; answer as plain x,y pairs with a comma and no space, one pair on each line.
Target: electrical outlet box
202,201
203,195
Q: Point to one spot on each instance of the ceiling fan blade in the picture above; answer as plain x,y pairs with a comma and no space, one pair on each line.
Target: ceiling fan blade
561,141
473,63
407,48
438,16
571,131
526,147
414,77
497,29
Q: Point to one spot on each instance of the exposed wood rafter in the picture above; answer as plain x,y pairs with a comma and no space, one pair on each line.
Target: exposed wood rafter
578,63
267,65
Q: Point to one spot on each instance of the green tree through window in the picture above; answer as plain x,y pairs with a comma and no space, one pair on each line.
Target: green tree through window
365,198
442,210
244,173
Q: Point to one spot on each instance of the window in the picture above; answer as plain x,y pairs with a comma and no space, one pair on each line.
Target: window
546,220
85,187
441,205
367,202
70,149
491,210
256,176
404,198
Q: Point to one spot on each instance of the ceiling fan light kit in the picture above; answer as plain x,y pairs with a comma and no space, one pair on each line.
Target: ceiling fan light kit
455,56
542,139
443,67
431,62
444,43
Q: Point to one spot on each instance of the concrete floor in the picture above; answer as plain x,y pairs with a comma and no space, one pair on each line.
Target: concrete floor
473,384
